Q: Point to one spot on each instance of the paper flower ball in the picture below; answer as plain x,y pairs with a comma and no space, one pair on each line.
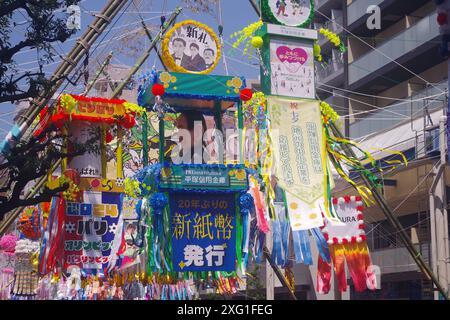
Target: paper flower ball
158,89
257,42
8,243
246,94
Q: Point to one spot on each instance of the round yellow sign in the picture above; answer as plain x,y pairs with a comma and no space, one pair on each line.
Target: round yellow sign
191,47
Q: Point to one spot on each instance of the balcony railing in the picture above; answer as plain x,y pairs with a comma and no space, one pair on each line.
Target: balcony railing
395,260
407,41
334,67
391,115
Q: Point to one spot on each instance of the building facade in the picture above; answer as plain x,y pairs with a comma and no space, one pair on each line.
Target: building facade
390,87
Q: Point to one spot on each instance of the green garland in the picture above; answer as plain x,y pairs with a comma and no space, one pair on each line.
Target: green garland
268,16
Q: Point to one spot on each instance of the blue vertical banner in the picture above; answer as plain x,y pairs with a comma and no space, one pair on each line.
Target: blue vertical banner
203,230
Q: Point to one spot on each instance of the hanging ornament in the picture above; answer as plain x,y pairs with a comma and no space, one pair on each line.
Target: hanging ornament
108,137
158,90
246,36
247,204
28,223
246,94
333,38
347,243
257,42
317,52
7,264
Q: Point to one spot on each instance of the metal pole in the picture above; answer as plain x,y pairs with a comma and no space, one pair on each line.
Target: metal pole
433,239
424,268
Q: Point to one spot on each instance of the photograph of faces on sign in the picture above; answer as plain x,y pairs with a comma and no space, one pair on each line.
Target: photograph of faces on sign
193,48
291,12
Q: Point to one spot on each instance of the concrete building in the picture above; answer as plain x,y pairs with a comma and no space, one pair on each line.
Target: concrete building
393,83
390,87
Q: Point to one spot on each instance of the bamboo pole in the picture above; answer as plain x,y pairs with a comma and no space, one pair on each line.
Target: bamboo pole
70,62
279,274
40,183
119,154
97,75
144,57
424,268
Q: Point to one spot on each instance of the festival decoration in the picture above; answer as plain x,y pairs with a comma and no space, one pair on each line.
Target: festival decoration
302,166
347,243
28,223
25,276
114,287
254,112
257,42
247,205
294,13
204,229
328,113
333,38
143,236
191,47
280,233
247,36
366,163
317,52
246,94
89,230
193,86
158,89
303,216
100,110
288,61
7,264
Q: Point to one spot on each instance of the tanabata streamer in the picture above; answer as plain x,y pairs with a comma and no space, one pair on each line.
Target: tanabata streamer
347,244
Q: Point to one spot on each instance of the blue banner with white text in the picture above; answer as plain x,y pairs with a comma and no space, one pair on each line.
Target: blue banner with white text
203,231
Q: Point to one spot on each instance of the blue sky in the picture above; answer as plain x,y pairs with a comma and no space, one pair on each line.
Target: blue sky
236,14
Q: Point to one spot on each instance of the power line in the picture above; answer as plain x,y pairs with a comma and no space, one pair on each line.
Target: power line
383,97
73,39
379,51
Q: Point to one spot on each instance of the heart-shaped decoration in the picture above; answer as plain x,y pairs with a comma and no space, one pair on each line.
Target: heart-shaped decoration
293,59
